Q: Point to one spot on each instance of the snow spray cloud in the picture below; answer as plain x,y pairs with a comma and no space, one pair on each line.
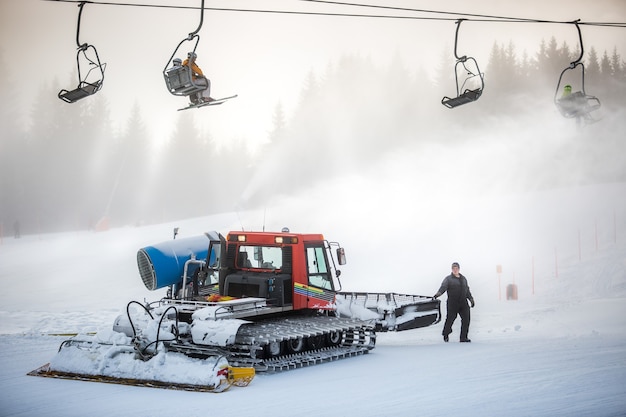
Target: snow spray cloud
483,192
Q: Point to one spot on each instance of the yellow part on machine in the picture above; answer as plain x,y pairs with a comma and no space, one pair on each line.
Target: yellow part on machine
240,377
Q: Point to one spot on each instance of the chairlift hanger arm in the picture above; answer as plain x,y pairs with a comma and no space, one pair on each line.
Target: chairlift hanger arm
573,64
82,46
192,35
576,105
180,79
86,85
195,32
456,41
580,39
464,95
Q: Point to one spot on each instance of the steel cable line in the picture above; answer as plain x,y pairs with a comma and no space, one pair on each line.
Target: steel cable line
406,9
469,16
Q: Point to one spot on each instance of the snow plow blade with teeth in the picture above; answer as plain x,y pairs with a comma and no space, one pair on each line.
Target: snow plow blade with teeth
239,377
101,358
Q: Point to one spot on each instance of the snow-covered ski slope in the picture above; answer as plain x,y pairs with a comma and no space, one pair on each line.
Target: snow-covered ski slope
558,352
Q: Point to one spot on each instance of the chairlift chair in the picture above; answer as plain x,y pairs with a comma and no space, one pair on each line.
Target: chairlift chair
179,79
469,67
87,85
579,104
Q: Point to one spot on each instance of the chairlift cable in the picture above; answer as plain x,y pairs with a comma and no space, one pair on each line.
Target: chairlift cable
405,9
483,17
470,16
269,11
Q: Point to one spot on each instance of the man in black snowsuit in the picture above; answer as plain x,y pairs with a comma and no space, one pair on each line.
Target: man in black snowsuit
458,294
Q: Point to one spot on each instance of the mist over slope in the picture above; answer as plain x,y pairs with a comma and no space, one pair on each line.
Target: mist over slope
566,336
349,120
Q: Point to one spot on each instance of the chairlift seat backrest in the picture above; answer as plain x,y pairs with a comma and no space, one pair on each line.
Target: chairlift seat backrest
180,82
577,104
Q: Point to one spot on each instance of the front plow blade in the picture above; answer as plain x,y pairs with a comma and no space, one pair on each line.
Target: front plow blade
239,377
92,359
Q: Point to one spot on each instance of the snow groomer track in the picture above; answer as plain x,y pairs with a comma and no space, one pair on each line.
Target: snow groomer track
289,343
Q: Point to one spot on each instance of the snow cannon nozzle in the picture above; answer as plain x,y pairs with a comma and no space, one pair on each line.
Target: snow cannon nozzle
163,264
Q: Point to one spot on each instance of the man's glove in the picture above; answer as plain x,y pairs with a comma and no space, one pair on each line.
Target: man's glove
472,303
436,296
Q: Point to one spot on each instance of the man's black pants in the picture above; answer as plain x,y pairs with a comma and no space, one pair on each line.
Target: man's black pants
454,309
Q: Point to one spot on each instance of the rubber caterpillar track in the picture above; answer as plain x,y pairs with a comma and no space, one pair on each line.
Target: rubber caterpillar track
284,344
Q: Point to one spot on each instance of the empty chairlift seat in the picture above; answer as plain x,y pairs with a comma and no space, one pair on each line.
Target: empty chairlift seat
466,97
83,90
469,80
90,82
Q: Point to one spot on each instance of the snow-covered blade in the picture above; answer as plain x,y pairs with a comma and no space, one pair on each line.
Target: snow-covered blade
390,311
239,377
111,357
137,352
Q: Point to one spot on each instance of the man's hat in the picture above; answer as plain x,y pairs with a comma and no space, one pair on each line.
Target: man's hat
455,264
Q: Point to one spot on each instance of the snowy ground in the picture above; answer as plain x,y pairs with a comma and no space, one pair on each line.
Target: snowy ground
558,352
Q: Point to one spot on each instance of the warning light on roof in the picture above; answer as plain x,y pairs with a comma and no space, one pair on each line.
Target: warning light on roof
285,239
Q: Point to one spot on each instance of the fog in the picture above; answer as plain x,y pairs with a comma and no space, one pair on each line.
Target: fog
263,57
360,100
415,212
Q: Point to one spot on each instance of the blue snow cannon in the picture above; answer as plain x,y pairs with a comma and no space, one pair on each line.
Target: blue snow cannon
163,264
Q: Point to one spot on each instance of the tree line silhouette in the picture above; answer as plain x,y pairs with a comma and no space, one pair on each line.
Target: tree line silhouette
70,169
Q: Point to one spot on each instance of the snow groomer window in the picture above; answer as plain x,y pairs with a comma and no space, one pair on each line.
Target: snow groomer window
318,271
260,257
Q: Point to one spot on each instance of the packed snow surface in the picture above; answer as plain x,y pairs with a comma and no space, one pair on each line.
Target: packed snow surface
558,350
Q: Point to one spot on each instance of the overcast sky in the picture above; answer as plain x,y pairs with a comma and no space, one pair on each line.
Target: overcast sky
262,57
